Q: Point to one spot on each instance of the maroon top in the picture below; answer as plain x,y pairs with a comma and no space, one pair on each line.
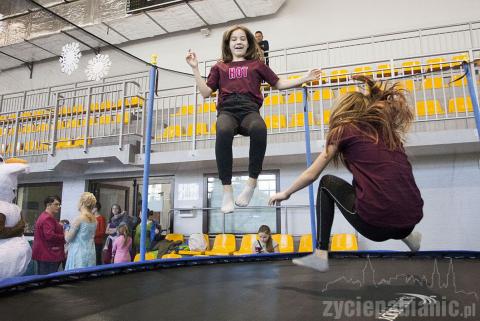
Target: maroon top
48,239
240,77
386,192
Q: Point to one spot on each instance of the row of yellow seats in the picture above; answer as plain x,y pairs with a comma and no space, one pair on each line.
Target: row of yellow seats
66,143
30,146
103,106
385,70
433,106
189,110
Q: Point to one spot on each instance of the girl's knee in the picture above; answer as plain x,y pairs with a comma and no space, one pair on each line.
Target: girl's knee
326,180
258,128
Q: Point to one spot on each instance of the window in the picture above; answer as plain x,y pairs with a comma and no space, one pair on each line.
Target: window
243,220
30,199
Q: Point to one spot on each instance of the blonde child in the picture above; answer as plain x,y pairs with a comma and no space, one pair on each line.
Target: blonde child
366,134
265,243
122,245
237,77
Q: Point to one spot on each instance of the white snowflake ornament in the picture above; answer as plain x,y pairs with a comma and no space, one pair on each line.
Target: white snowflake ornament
98,67
70,57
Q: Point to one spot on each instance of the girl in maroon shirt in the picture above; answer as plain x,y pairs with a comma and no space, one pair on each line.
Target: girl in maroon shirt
238,77
383,202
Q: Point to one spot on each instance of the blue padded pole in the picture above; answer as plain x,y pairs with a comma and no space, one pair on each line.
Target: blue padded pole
146,164
309,162
473,96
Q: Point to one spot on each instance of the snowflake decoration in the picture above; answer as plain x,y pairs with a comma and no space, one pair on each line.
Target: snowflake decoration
70,57
98,67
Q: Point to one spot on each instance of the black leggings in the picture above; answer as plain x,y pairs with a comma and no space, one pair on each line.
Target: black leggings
238,114
333,190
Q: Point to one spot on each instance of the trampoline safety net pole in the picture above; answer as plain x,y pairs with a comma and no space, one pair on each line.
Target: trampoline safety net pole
146,165
473,94
309,162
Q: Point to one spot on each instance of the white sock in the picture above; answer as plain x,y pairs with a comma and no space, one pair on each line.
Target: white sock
227,202
413,241
317,261
245,196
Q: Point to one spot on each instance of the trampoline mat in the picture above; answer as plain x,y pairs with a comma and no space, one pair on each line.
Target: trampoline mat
354,289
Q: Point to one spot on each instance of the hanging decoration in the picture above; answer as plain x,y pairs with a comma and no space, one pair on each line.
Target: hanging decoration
98,67
70,57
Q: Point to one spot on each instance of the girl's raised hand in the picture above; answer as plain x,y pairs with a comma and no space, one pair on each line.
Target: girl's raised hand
191,59
314,74
277,198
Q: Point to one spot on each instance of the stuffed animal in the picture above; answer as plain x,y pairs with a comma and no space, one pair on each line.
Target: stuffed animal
15,252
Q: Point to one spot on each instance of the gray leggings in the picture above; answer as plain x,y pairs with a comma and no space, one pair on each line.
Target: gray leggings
239,114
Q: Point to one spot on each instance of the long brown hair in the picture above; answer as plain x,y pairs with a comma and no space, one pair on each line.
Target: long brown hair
266,230
253,51
123,230
382,112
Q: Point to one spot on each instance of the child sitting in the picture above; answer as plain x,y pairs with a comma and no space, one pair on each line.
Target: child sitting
265,243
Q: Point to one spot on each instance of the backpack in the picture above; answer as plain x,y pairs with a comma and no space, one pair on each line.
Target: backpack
165,247
196,242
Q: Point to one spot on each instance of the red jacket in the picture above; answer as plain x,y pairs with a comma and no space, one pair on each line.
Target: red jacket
100,231
48,239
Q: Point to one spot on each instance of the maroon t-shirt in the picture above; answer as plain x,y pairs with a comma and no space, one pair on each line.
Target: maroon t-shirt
240,77
386,192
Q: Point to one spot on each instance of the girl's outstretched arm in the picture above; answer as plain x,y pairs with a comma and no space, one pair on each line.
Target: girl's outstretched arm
291,83
307,177
192,61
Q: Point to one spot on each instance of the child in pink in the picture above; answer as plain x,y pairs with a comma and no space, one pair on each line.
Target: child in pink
122,245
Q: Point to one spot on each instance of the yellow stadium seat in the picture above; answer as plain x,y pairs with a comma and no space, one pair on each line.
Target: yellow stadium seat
274,99
136,101
460,105
327,94
207,108
338,75
344,242
326,116
433,83
297,120
106,105
105,120
185,110
407,84
213,130
458,83
435,64
94,107
174,237
171,256
305,244
294,76
429,107
224,244
275,121
78,109
348,89
173,131
459,58
196,253
295,97
201,129
246,245
285,242
411,67
363,70
148,256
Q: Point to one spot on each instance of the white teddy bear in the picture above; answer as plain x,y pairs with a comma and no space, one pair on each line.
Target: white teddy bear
15,252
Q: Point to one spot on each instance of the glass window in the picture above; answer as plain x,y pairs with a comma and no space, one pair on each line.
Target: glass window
246,220
30,199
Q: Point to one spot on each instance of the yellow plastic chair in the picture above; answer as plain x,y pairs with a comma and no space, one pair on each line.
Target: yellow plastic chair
185,110
435,64
459,58
344,242
458,83
171,256
460,105
295,97
224,244
385,70
326,94
274,99
348,89
213,130
201,129
433,83
276,121
411,67
429,107
174,237
148,256
297,120
305,245
246,245
173,131
407,84
363,70
196,253
285,242
207,108
338,75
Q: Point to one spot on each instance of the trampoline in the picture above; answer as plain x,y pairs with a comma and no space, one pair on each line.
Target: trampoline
426,286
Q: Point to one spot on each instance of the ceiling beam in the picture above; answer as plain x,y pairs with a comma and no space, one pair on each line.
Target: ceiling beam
116,31
239,8
195,11
155,21
95,50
